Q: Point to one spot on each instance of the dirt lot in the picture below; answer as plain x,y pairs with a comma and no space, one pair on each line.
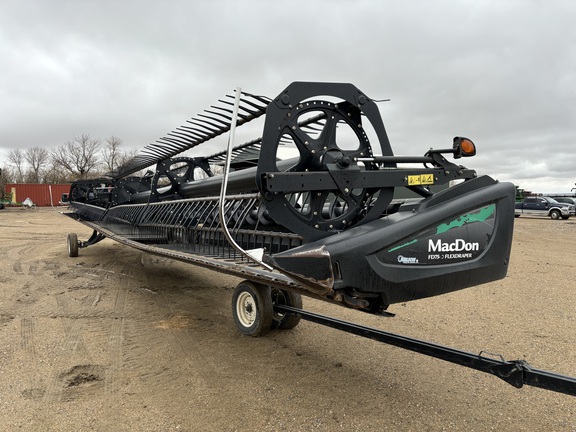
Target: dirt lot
117,340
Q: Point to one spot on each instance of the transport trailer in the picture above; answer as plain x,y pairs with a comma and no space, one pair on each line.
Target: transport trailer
309,209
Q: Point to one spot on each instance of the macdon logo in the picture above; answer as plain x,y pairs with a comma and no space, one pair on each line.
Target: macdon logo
457,246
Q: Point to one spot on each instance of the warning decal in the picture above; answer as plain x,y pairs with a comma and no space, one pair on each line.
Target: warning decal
422,179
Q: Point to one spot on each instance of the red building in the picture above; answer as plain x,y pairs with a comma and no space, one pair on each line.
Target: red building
38,193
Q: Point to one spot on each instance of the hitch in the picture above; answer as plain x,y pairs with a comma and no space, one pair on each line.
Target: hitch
516,373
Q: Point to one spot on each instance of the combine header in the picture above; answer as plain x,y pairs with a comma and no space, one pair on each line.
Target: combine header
310,208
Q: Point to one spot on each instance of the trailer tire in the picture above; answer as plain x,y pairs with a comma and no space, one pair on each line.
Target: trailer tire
285,321
252,308
555,214
72,241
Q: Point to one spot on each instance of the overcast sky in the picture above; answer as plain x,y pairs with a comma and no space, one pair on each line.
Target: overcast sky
502,73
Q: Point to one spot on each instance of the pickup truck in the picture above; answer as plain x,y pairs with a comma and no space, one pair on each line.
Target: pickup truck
544,206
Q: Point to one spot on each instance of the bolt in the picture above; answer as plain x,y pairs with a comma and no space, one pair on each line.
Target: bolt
315,213
316,226
293,127
331,226
346,190
306,143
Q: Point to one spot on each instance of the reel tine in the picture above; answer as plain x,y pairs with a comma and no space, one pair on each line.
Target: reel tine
215,119
243,108
191,131
179,143
206,125
183,134
221,115
203,125
252,104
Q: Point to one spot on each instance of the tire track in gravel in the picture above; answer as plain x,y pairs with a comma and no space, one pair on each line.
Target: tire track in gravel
90,312
121,267
35,388
115,343
183,362
141,333
18,256
27,328
70,347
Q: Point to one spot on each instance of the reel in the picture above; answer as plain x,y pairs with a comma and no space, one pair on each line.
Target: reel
323,136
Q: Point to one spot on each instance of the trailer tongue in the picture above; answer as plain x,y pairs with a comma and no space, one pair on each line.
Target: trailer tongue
517,372
326,221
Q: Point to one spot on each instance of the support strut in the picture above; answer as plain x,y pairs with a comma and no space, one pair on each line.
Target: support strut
516,372
94,238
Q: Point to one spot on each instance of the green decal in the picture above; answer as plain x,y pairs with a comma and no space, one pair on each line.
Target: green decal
480,216
404,245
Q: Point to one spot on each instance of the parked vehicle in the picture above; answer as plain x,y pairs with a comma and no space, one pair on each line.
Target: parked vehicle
544,206
566,200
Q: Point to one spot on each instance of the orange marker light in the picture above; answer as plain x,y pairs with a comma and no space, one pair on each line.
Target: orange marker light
468,147
463,147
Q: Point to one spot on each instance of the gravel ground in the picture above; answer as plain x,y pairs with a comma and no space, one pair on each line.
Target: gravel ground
118,340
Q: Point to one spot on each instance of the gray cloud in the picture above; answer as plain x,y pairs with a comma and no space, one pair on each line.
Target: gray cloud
499,72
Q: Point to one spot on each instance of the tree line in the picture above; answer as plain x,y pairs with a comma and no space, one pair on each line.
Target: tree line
80,158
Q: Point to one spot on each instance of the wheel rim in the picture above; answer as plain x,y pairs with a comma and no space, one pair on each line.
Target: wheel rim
246,309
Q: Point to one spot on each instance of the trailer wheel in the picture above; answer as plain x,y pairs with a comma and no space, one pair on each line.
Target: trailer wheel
72,240
252,308
555,214
288,298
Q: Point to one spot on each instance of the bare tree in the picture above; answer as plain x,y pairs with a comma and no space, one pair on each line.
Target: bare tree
112,154
36,158
7,175
55,174
4,178
126,156
16,157
79,156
